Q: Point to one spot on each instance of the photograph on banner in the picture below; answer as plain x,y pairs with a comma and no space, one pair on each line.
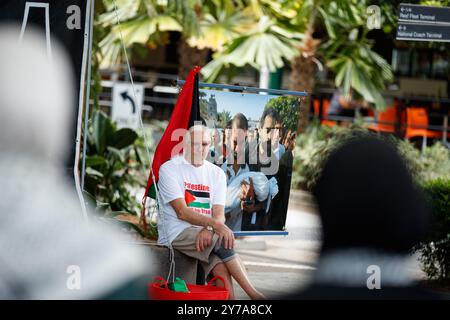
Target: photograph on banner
252,140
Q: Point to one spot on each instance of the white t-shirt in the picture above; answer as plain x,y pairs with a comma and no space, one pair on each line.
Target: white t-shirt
201,188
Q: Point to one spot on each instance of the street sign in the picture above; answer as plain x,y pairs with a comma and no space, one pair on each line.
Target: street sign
423,32
126,107
423,23
424,14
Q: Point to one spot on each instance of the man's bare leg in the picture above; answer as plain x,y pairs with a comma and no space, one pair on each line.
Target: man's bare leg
238,272
221,270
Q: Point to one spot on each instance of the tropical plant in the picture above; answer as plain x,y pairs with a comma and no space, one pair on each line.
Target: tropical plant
435,251
203,26
144,22
111,163
314,146
223,118
336,34
219,21
433,163
343,46
115,174
266,45
263,34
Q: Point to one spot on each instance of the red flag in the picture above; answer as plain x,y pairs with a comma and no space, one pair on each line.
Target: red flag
186,111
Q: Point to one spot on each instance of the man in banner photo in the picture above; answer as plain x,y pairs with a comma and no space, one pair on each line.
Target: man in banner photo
192,192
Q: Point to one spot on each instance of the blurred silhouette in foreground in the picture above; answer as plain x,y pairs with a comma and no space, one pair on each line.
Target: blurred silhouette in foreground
48,251
372,215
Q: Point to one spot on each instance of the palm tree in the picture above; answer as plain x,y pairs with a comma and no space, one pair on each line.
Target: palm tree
263,34
203,25
344,48
145,22
265,45
219,21
223,118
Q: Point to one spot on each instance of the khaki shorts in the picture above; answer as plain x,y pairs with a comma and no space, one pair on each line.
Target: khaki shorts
185,243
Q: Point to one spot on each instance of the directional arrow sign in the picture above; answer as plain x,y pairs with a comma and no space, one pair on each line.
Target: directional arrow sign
424,14
126,97
423,32
423,23
126,106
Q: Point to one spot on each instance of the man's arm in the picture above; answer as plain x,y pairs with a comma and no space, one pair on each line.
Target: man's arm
352,104
187,214
218,212
204,237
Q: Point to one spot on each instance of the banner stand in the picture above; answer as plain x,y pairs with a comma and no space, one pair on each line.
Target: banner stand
87,50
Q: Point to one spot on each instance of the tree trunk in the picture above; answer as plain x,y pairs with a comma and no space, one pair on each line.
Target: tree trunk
189,57
303,79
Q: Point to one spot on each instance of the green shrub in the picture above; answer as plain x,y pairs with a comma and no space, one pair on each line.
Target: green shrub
116,172
112,162
287,108
432,164
435,251
314,146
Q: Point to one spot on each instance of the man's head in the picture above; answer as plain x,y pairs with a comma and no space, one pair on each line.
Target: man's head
279,130
196,144
270,125
239,127
215,136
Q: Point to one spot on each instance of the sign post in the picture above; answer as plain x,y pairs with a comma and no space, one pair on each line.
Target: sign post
422,23
126,107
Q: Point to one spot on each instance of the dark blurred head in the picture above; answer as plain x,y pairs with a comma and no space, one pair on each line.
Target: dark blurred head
367,198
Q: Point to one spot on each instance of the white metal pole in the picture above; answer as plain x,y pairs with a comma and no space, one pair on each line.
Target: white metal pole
76,172
88,91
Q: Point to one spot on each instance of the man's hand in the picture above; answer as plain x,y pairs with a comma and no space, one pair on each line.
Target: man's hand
247,190
289,141
255,207
204,240
224,234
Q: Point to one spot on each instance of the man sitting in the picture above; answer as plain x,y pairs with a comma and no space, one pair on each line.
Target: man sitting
192,192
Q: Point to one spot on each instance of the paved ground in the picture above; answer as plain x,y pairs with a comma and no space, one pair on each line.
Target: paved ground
278,265
281,264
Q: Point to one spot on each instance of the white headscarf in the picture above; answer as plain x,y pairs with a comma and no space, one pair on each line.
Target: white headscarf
47,250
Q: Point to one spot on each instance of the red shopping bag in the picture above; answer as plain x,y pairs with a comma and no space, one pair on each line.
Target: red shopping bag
159,290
